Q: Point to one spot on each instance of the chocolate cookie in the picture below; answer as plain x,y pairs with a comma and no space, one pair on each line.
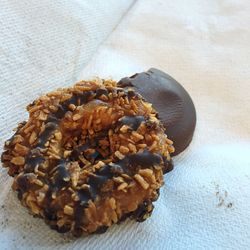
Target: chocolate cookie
88,157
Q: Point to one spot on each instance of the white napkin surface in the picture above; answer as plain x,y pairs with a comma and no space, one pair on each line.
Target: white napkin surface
204,45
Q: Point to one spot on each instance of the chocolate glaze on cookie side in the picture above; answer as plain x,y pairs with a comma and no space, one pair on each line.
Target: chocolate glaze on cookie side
89,156
172,102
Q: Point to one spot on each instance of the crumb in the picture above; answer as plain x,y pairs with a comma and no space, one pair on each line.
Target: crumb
222,196
221,202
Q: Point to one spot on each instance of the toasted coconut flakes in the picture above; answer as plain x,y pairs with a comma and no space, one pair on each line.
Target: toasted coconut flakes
118,179
42,116
136,136
68,210
146,172
21,149
132,147
28,129
123,149
58,135
37,182
141,181
18,160
112,203
33,137
76,117
119,155
40,197
124,128
122,186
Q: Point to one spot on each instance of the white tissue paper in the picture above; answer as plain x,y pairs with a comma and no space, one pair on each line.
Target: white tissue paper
205,46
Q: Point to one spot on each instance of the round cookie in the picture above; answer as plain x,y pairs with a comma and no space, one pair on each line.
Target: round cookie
88,157
172,102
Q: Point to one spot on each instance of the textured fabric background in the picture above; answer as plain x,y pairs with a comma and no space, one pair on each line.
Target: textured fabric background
205,46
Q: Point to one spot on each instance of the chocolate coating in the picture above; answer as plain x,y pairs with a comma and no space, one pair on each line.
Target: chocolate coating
172,102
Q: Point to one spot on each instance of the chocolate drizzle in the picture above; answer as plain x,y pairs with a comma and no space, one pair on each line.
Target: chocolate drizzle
50,127
24,183
142,210
133,121
33,159
77,151
144,159
168,165
100,92
101,230
61,177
